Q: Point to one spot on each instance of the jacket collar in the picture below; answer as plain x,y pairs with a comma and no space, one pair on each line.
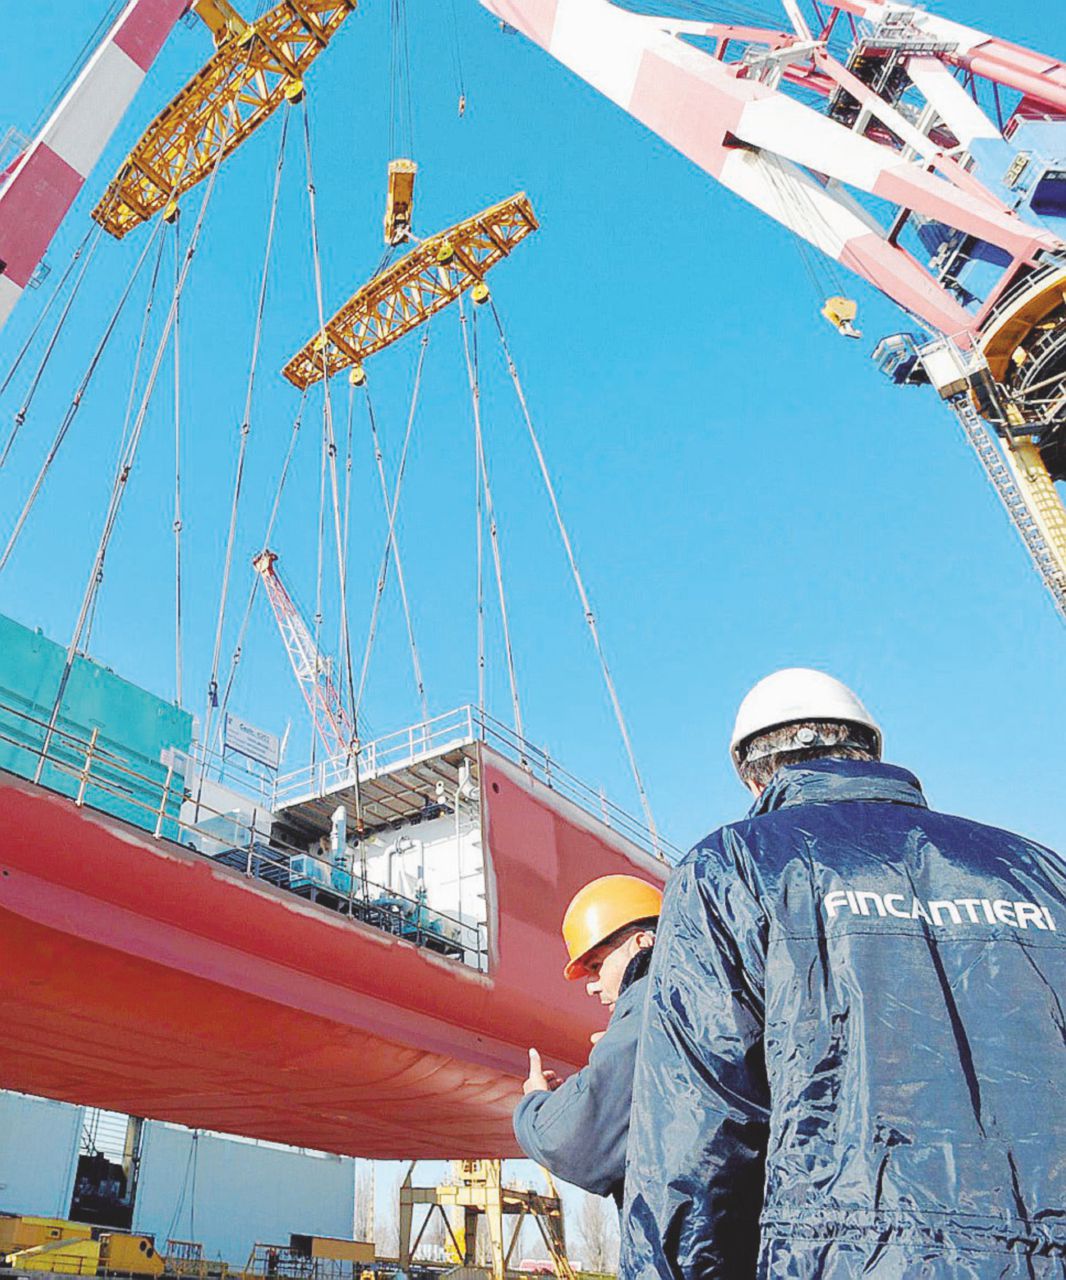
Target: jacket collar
829,781
635,970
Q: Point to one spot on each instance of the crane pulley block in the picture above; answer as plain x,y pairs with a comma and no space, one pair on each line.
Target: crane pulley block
841,313
400,201
414,288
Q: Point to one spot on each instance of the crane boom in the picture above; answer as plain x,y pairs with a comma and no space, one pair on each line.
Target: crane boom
333,725
897,160
52,170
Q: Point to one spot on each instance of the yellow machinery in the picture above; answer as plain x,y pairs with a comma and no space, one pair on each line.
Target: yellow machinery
256,66
74,1248
400,202
478,1191
20,1231
417,286
135,1255
332,1248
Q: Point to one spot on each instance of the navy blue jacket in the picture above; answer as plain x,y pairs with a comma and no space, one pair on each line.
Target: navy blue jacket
579,1131
853,1060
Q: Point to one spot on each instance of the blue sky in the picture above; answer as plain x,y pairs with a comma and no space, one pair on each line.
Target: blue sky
743,489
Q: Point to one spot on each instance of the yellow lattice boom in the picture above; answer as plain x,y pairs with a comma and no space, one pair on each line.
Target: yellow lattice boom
412,289
249,76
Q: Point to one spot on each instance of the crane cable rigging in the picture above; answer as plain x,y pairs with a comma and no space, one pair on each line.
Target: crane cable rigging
20,416
470,355
391,543
176,345
121,479
244,434
45,310
329,439
390,515
590,616
79,395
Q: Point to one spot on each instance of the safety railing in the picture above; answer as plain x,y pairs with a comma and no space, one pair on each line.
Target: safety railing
115,786
464,726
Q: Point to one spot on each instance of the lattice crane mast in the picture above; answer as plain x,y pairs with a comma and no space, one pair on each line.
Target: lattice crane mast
312,668
927,157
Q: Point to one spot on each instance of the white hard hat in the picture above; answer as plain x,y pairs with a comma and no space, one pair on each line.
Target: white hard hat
793,694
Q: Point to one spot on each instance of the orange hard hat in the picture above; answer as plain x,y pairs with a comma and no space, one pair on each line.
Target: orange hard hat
601,908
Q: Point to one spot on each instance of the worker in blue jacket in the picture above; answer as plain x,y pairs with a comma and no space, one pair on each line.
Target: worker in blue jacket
853,1061
577,1128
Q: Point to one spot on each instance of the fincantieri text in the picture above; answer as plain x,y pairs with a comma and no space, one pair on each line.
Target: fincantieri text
942,913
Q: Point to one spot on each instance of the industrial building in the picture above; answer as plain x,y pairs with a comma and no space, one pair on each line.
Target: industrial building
62,1161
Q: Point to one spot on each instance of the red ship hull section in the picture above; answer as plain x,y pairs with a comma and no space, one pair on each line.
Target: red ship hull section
138,976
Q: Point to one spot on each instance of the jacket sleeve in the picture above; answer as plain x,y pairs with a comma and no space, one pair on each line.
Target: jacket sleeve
699,1124
579,1131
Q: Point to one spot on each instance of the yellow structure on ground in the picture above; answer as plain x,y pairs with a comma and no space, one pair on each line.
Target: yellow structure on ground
135,1255
256,66
477,1190
417,286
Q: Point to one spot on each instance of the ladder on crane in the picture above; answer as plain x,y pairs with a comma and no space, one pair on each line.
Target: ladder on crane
999,473
334,726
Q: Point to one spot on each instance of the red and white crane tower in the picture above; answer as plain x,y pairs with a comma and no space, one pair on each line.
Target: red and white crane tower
312,668
925,156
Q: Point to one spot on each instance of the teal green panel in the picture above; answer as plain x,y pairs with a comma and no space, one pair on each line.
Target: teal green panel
136,729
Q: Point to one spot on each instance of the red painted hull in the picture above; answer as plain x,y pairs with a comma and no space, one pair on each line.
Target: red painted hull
138,976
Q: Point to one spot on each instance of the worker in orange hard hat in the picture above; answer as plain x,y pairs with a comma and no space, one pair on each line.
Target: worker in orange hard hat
578,1128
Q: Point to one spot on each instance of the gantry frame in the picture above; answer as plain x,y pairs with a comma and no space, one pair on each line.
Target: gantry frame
413,289
247,79
477,1190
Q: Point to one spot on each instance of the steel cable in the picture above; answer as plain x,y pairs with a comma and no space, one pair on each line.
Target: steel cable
392,547
490,510
327,419
245,431
20,416
75,404
590,617
177,462
16,363
122,475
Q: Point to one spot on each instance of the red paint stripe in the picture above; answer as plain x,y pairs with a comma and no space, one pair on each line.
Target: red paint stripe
938,199
896,273
31,208
143,30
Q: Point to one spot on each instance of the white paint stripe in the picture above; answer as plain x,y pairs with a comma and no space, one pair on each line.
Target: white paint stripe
9,295
827,218
602,44
804,136
92,110
962,115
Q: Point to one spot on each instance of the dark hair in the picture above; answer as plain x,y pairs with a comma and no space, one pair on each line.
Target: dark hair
767,752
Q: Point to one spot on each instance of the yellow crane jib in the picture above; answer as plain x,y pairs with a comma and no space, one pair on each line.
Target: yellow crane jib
255,68
412,289
399,204
221,18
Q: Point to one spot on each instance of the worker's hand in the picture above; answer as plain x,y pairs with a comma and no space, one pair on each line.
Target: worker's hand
596,1037
539,1079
